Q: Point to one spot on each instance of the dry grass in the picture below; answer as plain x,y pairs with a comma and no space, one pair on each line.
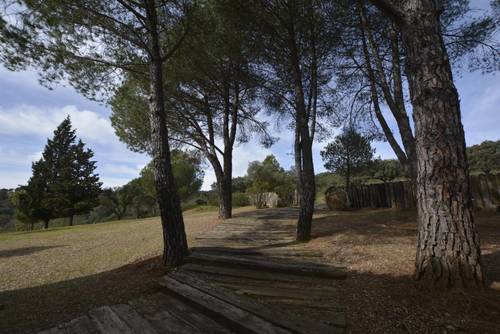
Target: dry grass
51,276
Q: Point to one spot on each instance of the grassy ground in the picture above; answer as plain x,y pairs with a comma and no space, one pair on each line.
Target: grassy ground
47,277
50,276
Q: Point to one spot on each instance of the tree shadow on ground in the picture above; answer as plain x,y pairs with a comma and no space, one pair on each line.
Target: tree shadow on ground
39,307
25,250
374,302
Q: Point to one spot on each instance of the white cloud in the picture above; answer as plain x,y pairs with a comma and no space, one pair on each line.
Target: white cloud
40,121
122,169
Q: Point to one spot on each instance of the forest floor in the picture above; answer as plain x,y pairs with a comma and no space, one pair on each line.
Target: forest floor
380,295
47,277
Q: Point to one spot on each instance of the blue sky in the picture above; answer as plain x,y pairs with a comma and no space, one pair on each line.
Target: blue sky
29,113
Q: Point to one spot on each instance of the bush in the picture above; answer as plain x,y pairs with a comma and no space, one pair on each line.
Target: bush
240,199
200,201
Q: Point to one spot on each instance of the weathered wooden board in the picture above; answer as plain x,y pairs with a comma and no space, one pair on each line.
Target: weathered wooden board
81,325
187,313
259,252
253,274
133,320
275,316
304,269
161,318
107,321
237,318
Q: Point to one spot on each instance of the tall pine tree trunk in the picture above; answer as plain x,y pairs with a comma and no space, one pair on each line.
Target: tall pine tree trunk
174,235
226,207
307,194
303,147
448,249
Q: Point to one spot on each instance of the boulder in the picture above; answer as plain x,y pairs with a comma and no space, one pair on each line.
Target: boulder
336,199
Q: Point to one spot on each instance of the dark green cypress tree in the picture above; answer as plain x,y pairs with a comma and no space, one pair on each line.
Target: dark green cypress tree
39,203
64,183
84,186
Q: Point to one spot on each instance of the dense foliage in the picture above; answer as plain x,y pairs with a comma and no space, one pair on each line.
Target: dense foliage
348,153
484,157
63,183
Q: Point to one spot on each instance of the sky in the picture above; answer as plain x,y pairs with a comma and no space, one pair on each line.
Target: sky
29,113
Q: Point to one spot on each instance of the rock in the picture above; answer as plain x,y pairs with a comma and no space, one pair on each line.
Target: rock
336,200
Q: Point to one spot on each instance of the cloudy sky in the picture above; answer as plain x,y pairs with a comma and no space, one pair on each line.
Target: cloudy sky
29,113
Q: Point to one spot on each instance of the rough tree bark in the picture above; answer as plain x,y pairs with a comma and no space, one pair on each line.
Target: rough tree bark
303,149
448,248
174,235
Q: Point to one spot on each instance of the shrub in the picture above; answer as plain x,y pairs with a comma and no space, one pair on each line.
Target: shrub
240,199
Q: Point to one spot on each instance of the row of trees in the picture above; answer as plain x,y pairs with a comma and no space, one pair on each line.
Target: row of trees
205,67
139,195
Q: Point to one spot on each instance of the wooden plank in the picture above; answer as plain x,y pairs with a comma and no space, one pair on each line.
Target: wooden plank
253,274
161,318
55,330
106,321
133,320
187,313
239,319
81,325
315,289
263,252
291,322
304,269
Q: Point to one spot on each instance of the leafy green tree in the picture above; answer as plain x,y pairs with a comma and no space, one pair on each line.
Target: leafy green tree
24,206
349,153
485,157
93,45
269,176
214,106
187,170
297,40
387,170
118,200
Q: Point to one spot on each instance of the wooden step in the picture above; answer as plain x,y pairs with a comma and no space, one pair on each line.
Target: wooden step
233,317
258,252
170,315
303,269
291,322
253,274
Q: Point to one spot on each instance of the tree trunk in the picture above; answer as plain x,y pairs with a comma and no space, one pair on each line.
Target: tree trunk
71,220
225,209
307,194
448,249
46,224
303,148
174,235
